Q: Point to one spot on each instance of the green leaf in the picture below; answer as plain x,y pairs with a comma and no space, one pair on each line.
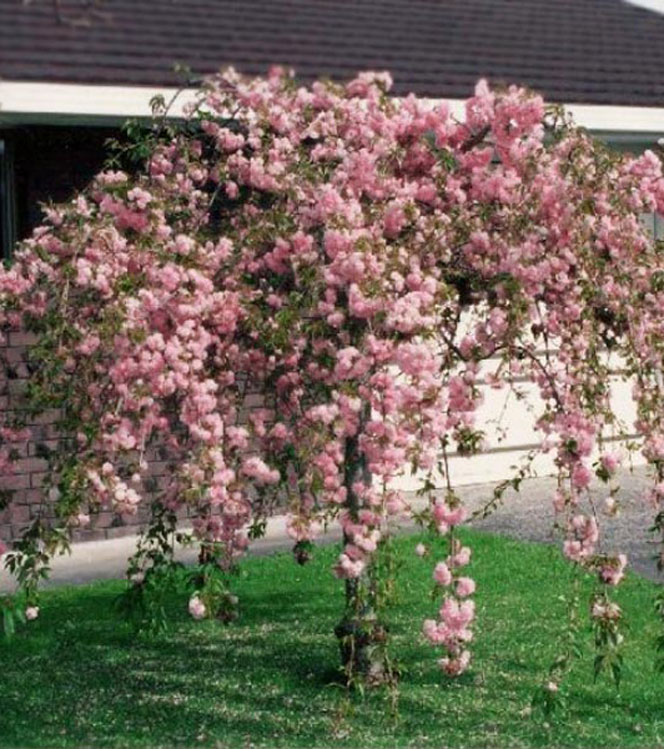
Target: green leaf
8,623
598,666
616,670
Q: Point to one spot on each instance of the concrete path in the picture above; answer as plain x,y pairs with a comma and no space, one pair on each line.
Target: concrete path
526,515
107,559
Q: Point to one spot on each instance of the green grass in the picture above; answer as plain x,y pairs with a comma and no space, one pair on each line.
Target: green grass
78,676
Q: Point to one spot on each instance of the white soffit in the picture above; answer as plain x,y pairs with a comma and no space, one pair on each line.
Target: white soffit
28,102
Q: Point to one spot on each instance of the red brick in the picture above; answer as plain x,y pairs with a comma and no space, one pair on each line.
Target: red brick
254,400
20,481
47,417
158,466
16,387
28,498
20,448
19,514
22,339
15,355
50,445
49,432
31,496
30,465
37,479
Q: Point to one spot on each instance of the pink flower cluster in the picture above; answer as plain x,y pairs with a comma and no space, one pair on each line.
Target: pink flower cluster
197,609
612,569
452,629
584,537
446,517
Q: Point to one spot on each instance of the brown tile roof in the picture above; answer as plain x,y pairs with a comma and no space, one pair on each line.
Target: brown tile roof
593,51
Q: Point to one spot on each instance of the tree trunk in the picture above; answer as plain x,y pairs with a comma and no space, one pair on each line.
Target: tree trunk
362,637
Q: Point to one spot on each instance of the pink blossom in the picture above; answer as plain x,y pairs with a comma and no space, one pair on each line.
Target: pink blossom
613,570
607,610
461,558
347,568
302,529
465,586
197,608
31,613
457,665
457,615
442,574
446,517
434,632
581,476
257,469
584,535
559,501
82,520
611,461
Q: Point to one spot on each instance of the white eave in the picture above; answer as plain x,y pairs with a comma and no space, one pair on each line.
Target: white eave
67,103
619,122
656,6
23,102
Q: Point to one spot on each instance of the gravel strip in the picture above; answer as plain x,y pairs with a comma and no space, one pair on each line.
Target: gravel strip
528,515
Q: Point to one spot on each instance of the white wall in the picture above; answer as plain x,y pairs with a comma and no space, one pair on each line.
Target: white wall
509,426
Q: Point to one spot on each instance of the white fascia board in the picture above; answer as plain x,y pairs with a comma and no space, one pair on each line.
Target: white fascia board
603,119
642,120
656,6
55,103
25,102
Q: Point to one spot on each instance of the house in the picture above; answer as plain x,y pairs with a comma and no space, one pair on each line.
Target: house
72,71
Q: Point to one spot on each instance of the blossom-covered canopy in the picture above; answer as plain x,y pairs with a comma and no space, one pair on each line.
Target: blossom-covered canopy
292,302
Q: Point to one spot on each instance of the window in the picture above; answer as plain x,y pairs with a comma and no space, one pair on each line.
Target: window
7,200
655,224
43,163
658,229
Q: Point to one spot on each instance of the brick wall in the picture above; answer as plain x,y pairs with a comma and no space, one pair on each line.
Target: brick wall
50,163
26,483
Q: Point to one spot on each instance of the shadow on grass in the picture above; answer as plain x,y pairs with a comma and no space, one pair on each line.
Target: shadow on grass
102,686
81,676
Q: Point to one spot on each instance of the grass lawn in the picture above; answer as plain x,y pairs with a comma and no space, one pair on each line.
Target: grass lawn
77,676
